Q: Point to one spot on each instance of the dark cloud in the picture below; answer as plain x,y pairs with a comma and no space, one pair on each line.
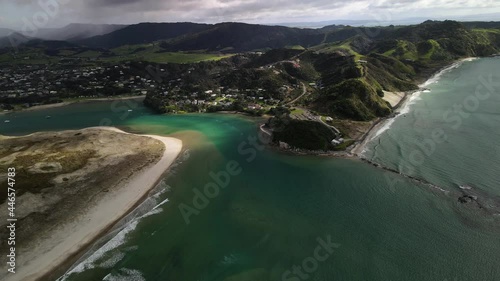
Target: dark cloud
132,11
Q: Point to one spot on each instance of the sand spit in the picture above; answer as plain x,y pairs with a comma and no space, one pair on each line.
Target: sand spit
59,221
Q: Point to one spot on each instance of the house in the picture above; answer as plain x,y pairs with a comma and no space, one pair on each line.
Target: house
338,142
254,107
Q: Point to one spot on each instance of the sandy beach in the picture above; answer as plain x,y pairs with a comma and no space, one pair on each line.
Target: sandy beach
70,239
397,100
394,98
357,150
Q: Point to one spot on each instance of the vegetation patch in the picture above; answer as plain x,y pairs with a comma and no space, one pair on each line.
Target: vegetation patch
35,172
352,99
302,134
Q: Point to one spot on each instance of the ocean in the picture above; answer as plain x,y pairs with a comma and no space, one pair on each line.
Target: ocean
231,209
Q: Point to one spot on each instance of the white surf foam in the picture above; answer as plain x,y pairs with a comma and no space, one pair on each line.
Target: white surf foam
438,75
152,212
116,241
405,109
119,237
125,274
163,202
465,187
113,260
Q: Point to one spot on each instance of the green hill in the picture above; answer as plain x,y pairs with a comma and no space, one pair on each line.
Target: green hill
302,134
241,37
142,33
352,99
346,69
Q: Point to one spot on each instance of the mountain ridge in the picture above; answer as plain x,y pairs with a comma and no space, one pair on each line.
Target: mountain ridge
338,71
77,31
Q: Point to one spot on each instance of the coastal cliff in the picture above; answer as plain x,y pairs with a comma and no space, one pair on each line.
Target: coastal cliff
343,79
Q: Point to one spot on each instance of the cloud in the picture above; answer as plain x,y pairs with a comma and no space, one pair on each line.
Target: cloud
133,11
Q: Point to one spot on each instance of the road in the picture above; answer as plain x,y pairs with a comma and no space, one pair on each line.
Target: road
307,115
304,92
329,126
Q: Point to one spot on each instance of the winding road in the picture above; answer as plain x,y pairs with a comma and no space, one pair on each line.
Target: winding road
304,92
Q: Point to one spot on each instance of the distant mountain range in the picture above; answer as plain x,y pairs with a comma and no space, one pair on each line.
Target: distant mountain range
381,22
13,39
348,67
143,33
71,32
5,32
351,66
239,37
76,31
222,37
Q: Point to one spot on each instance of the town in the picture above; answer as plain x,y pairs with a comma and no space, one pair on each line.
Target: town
35,84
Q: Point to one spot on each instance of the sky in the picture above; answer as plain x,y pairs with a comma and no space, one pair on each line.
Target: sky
19,14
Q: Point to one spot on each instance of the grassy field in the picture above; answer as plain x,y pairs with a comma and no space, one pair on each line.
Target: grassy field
435,46
486,36
26,56
297,111
406,50
166,57
482,30
179,57
344,46
21,60
296,47
143,52
87,54
153,53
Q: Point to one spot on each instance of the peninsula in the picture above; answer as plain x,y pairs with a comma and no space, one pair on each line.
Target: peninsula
73,186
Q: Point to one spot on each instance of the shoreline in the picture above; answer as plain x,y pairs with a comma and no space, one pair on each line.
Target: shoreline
377,125
75,239
65,103
356,150
372,133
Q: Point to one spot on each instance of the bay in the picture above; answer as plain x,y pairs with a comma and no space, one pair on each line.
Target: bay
270,218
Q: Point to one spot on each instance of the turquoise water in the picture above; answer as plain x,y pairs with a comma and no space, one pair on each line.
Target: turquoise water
74,116
271,214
